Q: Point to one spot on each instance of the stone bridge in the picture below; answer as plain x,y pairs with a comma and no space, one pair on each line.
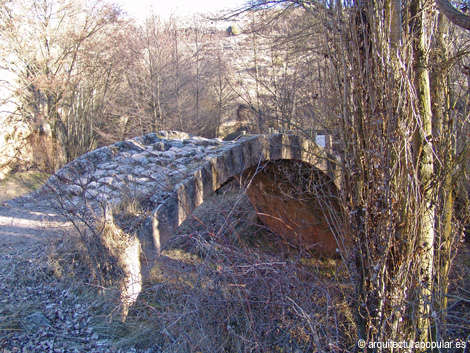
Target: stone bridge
172,173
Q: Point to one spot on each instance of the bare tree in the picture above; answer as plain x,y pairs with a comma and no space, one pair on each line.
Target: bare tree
56,49
397,187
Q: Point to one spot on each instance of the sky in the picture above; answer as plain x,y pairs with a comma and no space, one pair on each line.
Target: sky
165,8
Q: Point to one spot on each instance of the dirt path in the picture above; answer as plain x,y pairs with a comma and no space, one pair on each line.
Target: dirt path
26,225
41,308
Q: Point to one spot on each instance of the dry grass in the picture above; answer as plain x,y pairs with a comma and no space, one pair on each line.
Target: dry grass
227,285
48,298
20,183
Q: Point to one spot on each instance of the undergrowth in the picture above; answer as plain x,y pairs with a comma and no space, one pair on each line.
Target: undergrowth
227,284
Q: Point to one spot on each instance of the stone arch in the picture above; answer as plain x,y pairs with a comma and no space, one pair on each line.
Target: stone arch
212,174
298,201
172,173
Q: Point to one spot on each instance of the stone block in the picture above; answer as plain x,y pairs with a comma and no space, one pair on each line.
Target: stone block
161,146
131,145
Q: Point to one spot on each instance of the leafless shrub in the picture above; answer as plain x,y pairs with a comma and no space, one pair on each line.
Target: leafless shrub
219,287
102,242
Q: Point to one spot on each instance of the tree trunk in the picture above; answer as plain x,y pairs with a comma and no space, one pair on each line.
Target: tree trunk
455,16
394,21
443,134
424,165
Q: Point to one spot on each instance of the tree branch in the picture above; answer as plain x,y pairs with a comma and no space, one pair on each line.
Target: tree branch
455,16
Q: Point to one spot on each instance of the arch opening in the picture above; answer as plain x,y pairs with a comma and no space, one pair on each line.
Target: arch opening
297,201
299,221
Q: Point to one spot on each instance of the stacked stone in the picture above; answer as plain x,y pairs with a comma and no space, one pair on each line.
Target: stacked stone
146,168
